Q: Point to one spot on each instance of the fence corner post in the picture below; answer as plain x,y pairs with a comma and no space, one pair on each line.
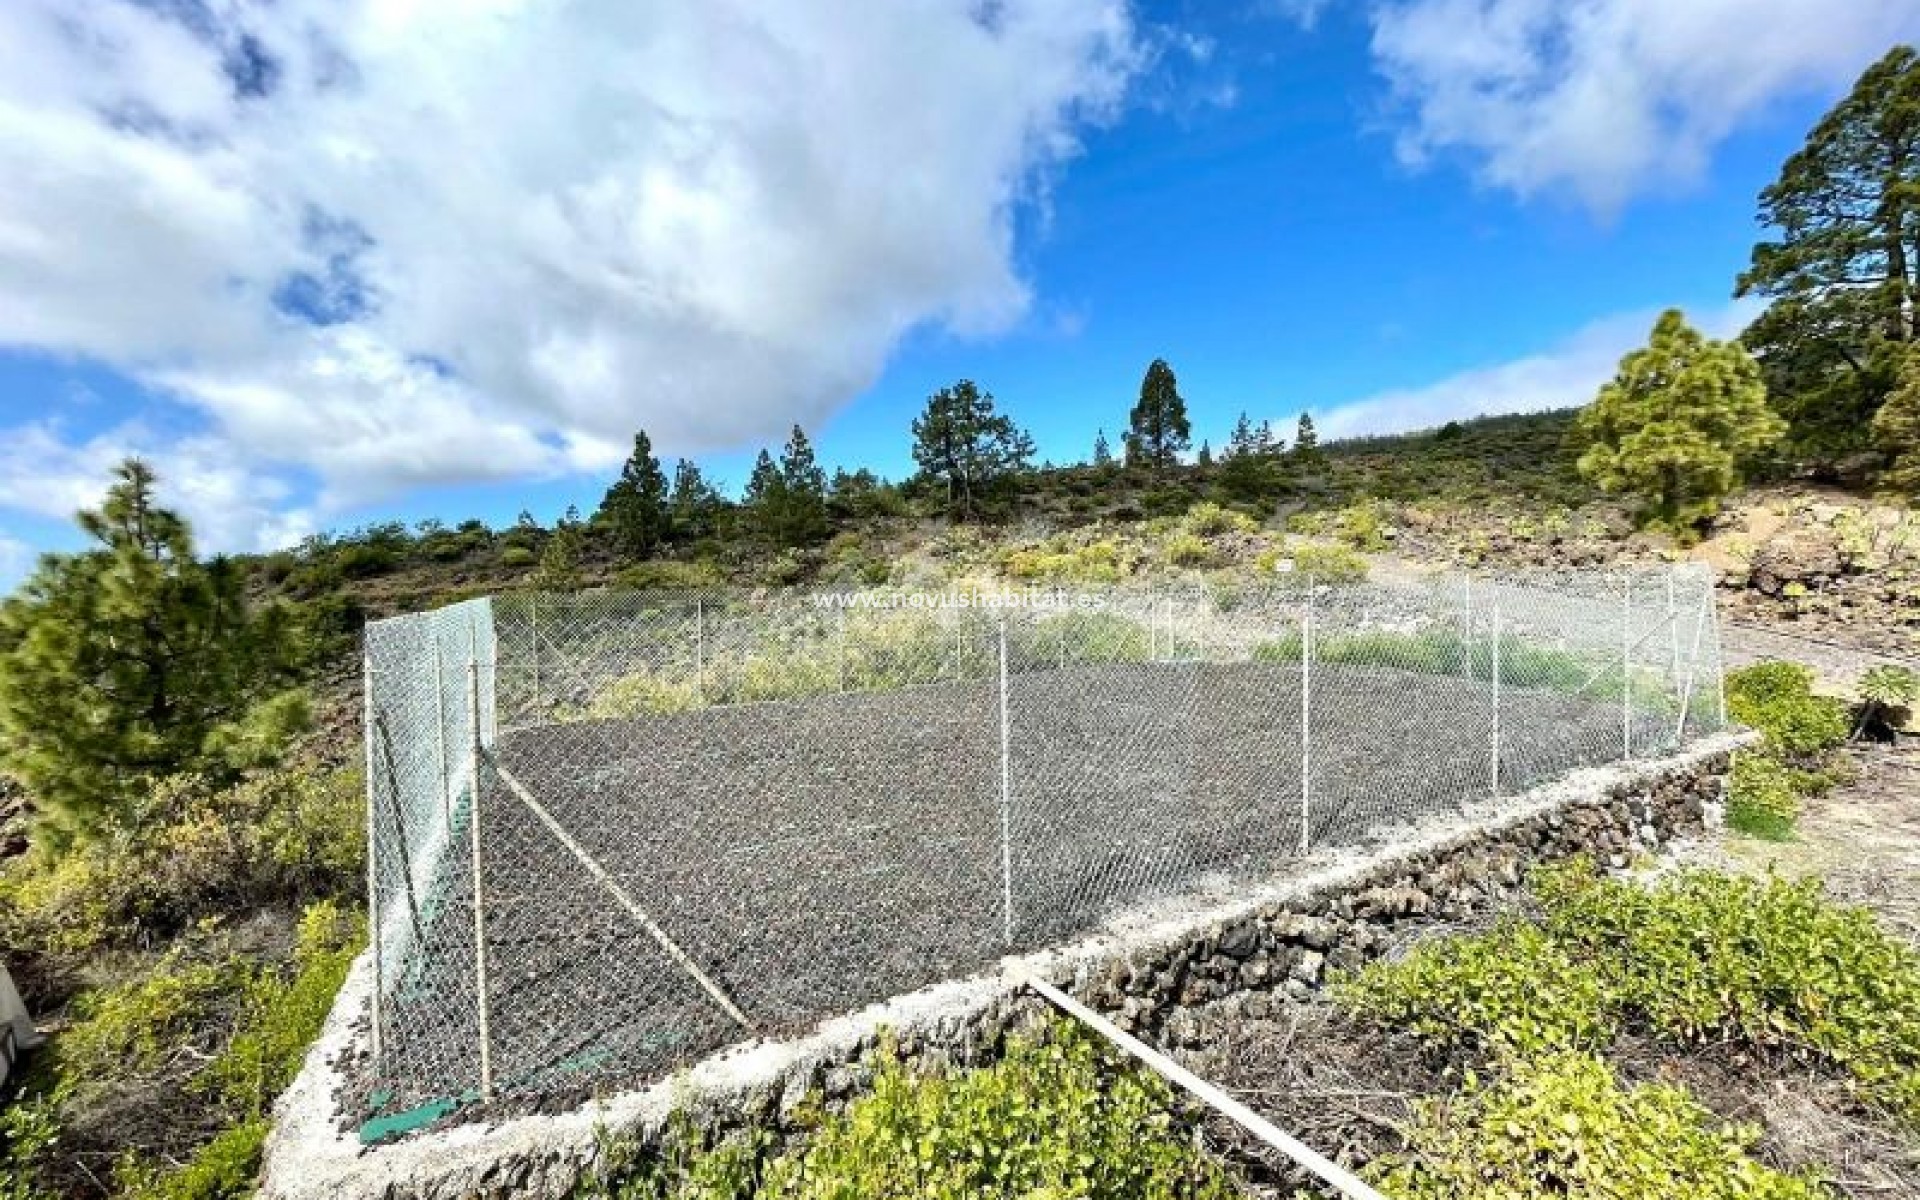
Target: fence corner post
1006,795
483,1000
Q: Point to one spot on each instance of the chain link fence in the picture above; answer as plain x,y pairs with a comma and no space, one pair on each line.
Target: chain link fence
614,831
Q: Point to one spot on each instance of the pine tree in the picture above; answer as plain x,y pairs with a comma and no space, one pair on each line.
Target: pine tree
1102,452
1676,423
1204,457
635,507
1250,467
559,569
806,488
694,511
787,501
1896,430
1306,441
134,660
962,444
1157,428
1843,271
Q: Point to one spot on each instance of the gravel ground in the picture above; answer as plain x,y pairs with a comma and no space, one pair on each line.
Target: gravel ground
817,855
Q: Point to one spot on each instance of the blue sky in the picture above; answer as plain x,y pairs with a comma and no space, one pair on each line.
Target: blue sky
441,259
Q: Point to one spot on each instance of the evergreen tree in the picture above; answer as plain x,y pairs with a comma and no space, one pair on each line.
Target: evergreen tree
1204,457
1102,452
1841,271
962,444
1676,423
1896,430
1157,428
635,507
134,660
694,510
787,501
1306,441
1250,467
559,569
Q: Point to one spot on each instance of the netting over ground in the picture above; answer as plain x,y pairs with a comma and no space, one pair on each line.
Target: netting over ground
694,818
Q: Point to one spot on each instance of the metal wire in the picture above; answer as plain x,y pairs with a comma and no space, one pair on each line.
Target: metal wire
613,831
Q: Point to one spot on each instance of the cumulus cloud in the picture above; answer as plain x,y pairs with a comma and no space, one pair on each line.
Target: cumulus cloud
449,240
1606,99
46,473
16,559
1565,374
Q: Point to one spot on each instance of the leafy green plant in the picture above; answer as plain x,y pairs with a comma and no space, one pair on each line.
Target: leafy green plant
1762,799
1887,693
1777,698
1560,1127
1512,990
1208,519
1056,1117
1328,563
1704,956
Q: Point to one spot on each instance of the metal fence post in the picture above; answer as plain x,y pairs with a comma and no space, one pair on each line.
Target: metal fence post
1306,720
1494,674
533,608
1673,625
479,877
1719,661
1006,795
374,914
1626,667
843,647
440,736
700,647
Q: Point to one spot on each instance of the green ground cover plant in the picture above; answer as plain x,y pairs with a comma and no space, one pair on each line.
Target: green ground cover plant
1698,957
1057,1118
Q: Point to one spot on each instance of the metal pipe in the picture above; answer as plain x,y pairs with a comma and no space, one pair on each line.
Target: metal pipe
1006,796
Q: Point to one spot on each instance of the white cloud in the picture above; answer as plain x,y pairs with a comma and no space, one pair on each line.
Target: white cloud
514,233
1566,374
232,507
1607,99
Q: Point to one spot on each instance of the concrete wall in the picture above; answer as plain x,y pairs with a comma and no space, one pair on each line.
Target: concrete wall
1150,970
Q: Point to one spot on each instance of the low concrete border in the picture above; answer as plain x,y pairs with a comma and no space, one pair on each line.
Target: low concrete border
1142,967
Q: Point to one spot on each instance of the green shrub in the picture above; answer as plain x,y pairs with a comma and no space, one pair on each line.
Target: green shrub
1706,957
1326,563
667,575
1512,990
189,849
1187,550
641,694
1762,800
1208,519
224,1169
1697,957
1054,1119
1777,699
129,1028
1560,1127
518,557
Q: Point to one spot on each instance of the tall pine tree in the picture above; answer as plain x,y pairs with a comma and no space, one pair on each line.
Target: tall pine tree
694,509
1675,425
787,502
1306,441
1157,428
1843,269
963,445
135,659
635,507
